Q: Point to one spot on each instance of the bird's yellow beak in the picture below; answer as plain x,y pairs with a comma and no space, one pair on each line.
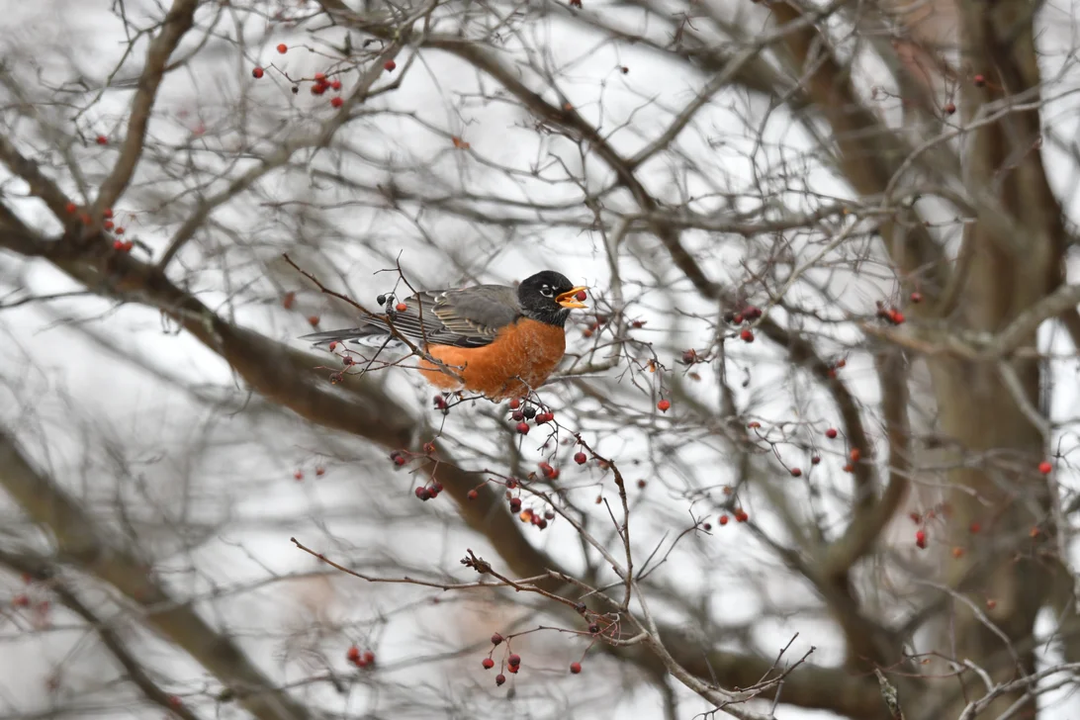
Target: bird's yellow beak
567,299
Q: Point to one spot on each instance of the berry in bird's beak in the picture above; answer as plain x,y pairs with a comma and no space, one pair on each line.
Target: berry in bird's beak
572,298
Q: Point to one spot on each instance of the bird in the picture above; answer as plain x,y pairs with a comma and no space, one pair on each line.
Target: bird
499,341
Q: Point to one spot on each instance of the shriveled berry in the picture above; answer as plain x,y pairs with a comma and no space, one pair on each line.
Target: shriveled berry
515,505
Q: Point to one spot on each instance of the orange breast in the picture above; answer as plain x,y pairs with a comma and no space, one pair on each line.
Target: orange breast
520,358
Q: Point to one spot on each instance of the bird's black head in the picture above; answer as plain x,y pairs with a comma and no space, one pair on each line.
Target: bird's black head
548,296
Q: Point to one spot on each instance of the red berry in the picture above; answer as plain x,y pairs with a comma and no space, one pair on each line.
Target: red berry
472,494
318,89
389,66
283,48
979,80
515,404
102,140
1045,467
333,344
916,297
855,455
580,296
335,84
796,472
369,657
118,245
71,208
353,654
313,320
119,231
580,458
831,433
496,639
500,679
897,317
20,601
741,516
514,660
107,213
575,667
747,335
401,307
108,224
320,470
337,101
523,427
257,73
920,538
298,475
663,405
488,663
949,108
975,528
814,460
320,77
723,520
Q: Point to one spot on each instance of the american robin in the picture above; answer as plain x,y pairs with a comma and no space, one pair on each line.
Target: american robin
492,339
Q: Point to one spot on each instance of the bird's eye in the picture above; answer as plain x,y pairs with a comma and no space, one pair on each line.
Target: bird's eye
546,291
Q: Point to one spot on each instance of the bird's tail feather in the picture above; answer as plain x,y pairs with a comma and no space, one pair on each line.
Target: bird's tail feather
372,334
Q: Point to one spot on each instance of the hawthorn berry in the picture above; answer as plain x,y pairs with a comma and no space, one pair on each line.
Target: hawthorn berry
831,433
353,653
422,493
257,73
706,527
500,679
337,101
517,416
513,669
320,470
401,307
70,208
119,231
283,48
575,667
107,213
663,405
747,335
580,296
916,297
529,412
514,660
488,663
515,404
814,460
1045,467
472,494
949,108
594,628
368,657
796,472
523,427
855,455
974,528
335,85
313,320
723,520
298,475
515,505
580,458
389,66
741,516
979,80
624,69
496,639
102,140
920,539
